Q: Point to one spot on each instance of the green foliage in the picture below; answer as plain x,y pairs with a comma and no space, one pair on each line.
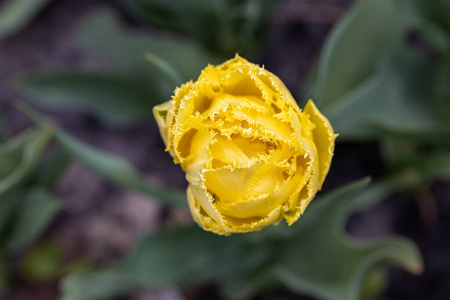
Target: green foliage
102,33
19,156
107,165
384,75
307,257
115,99
353,49
418,165
321,236
16,14
127,89
35,211
371,82
26,203
166,68
225,26
51,167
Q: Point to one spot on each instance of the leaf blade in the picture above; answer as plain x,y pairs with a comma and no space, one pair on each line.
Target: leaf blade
110,166
16,14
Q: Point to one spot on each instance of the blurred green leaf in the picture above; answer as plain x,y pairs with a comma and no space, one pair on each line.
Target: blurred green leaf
354,47
415,164
436,165
49,170
19,155
422,12
16,14
103,34
116,100
225,26
107,165
380,190
43,262
36,210
199,18
245,285
401,98
374,81
97,285
11,150
128,87
321,260
166,69
307,257
177,256
399,152
160,259
117,170
375,283
8,203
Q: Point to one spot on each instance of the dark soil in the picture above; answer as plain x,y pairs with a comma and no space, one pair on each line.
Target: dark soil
101,222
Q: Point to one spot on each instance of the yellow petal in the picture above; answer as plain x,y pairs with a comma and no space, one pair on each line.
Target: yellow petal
251,156
324,139
161,114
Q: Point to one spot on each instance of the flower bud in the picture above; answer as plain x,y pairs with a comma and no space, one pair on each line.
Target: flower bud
251,156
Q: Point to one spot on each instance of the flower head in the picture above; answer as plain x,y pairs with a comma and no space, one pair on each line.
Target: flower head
251,156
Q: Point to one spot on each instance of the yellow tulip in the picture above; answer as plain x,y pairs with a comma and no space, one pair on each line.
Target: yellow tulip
252,157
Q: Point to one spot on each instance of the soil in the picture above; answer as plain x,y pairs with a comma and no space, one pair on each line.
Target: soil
100,222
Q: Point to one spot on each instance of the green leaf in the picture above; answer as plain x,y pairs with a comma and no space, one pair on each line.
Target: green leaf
431,20
107,165
177,256
246,285
19,155
116,100
402,98
49,170
416,165
16,14
321,260
103,284
371,83
197,17
166,68
102,33
375,282
116,169
312,256
35,212
435,165
8,204
380,190
202,20
420,12
225,26
127,89
158,261
352,50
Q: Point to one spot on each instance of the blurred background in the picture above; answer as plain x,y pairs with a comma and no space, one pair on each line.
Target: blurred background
89,179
